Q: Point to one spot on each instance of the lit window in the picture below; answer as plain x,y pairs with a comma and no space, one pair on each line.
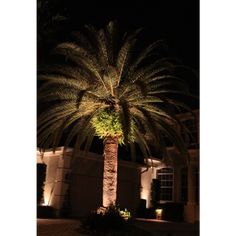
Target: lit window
166,178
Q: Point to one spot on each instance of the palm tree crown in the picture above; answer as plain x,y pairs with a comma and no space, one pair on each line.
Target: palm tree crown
107,88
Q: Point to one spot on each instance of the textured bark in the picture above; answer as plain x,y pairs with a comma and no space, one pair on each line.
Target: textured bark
110,171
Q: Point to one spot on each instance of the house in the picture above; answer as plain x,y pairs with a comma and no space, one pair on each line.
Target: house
178,181
76,186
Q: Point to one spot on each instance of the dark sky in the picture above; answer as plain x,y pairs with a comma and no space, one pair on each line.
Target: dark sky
177,22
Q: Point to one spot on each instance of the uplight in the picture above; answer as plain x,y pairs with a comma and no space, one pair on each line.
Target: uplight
159,214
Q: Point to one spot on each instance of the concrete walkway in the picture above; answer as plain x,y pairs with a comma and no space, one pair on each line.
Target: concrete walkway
144,227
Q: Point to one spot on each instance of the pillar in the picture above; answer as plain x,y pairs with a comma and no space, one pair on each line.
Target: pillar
190,208
177,184
61,184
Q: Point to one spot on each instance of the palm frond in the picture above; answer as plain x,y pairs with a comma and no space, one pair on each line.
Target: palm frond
145,53
112,35
139,93
124,54
125,120
64,71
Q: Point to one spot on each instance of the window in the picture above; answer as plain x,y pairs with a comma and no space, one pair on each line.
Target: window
166,178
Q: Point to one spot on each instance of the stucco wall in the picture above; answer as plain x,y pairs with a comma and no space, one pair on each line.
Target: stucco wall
128,193
86,186
85,182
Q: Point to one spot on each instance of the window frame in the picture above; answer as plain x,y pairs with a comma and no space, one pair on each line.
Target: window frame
158,174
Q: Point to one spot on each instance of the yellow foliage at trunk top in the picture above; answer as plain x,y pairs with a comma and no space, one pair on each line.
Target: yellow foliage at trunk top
108,124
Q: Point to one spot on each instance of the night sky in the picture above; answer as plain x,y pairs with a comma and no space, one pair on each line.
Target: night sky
175,22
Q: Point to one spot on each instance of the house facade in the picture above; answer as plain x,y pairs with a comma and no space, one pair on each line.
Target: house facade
178,183
76,186
178,179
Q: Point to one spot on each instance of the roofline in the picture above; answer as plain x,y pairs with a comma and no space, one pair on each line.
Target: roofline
90,156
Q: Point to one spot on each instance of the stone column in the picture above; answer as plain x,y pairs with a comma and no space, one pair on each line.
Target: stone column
61,185
177,184
190,208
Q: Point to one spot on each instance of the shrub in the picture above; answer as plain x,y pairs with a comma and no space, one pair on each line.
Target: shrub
155,192
107,221
45,212
141,210
172,211
150,213
41,175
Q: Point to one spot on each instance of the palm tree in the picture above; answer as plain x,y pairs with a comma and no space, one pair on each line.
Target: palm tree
105,88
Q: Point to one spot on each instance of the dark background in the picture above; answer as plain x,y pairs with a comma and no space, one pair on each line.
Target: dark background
175,22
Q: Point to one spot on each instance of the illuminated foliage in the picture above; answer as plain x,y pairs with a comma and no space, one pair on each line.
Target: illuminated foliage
108,124
106,86
108,221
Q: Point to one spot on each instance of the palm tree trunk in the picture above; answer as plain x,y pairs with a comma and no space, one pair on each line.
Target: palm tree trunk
110,171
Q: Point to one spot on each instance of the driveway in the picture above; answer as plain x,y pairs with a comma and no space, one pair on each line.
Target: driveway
144,227
58,227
